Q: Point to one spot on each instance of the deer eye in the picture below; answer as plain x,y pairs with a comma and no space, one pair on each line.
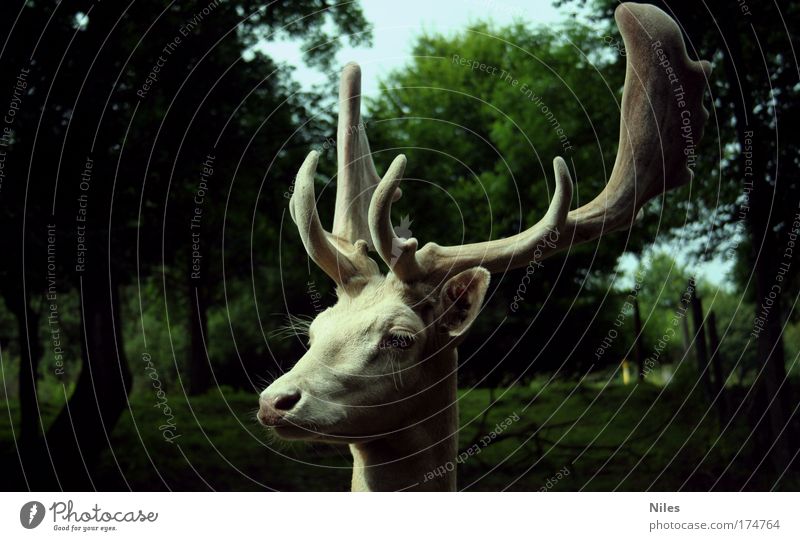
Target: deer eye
397,340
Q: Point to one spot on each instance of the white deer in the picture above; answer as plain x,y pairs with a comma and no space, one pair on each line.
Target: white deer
380,370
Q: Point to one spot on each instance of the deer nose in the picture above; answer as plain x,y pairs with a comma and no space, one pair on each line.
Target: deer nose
273,406
286,401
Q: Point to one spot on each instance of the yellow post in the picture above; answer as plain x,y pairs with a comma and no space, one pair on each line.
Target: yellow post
626,372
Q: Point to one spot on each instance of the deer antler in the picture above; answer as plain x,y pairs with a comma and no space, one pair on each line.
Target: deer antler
342,254
356,170
662,118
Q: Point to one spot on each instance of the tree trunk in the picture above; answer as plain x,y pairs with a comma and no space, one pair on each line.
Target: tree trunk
639,344
31,353
772,391
700,346
770,397
200,374
720,375
82,429
687,341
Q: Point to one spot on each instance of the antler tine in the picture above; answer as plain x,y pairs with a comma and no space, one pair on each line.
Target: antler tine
340,260
533,244
662,120
409,265
357,177
342,254
398,253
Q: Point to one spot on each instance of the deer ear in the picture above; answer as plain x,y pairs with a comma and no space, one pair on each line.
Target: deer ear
461,300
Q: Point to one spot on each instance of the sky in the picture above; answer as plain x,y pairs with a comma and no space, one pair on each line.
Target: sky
397,24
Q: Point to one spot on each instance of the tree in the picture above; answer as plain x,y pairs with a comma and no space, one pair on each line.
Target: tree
116,108
746,200
481,114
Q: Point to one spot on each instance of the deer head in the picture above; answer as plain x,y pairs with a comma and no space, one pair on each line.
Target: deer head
380,369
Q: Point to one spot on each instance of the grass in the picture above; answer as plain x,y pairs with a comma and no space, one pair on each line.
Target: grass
577,437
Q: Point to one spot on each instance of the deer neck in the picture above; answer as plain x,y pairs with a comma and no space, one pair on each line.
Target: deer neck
422,456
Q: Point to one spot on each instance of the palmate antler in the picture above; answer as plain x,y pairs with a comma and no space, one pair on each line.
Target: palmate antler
662,118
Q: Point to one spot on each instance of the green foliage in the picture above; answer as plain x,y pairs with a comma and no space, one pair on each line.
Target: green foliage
149,93
481,114
734,317
653,442
155,328
485,137
664,284
726,205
